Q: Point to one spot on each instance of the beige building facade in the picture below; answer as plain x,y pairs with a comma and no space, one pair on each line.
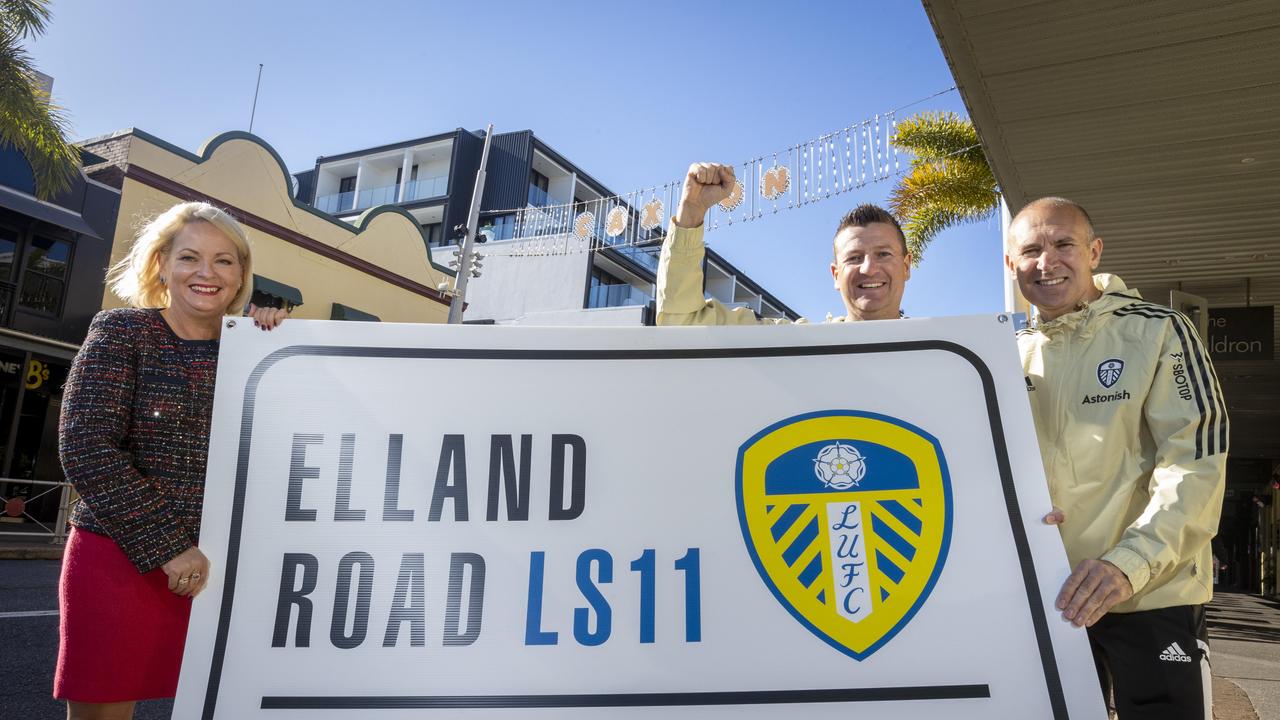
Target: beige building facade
378,267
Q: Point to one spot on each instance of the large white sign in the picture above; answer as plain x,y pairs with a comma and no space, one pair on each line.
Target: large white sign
425,521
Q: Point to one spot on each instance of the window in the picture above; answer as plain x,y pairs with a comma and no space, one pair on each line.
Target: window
347,184
8,248
503,227
413,174
45,276
263,300
601,277
538,183
608,291
538,180
434,234
274,294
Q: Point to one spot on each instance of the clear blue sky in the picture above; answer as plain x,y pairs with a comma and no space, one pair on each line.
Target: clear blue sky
631,92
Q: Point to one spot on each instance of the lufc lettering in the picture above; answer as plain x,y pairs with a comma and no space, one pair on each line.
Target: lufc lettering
509,485
848,547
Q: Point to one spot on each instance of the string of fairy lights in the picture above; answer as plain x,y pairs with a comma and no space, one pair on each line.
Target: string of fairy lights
811,171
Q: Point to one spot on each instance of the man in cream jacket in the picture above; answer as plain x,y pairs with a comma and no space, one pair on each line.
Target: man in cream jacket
1133,432
870,266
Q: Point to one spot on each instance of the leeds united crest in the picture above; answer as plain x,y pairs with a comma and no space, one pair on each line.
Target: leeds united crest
1109,371
847,516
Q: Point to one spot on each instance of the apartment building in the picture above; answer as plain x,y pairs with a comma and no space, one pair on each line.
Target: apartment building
533,271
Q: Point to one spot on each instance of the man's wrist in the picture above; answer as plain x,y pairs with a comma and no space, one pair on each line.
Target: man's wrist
1134,567
688,216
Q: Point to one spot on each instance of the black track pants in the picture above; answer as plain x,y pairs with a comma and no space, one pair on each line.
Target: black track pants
1155,663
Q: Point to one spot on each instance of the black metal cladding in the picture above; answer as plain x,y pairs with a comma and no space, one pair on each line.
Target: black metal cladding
306,186
510,160
463,167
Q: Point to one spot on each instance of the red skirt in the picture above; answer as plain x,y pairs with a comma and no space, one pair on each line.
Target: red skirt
121,633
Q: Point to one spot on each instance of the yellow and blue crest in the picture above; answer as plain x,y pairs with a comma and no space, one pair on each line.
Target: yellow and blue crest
847,516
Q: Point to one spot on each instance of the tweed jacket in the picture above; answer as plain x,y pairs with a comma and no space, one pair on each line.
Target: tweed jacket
134,433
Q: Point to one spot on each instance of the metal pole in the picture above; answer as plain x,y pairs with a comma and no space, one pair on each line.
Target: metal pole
254,111
64,510
464,251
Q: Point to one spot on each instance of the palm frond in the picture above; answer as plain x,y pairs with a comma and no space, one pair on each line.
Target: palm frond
936,135
948,183
935,196
958,184
30,122
24,18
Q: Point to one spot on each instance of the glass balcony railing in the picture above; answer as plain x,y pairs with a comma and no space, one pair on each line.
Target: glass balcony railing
538,197
420,189
602,296
424,188
644,256
370,197
336,203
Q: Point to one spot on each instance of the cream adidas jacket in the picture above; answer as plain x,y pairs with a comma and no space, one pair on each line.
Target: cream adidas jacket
1133,433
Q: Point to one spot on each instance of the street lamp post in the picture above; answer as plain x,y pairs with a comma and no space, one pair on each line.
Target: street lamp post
465,251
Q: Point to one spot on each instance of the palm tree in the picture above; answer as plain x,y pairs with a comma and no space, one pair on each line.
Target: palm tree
949,181
29,121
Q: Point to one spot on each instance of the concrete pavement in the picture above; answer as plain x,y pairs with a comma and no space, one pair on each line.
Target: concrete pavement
1244,632
1244,639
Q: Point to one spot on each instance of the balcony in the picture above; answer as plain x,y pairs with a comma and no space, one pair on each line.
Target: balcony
646,257
425,188
559,220
538,197
336,203
421,189
602,296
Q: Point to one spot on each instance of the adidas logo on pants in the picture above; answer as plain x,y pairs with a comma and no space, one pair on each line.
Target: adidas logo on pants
1173,653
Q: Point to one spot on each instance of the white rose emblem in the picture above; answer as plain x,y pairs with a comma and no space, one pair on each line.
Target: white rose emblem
840,466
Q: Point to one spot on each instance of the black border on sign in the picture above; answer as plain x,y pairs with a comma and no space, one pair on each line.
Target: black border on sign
1053,680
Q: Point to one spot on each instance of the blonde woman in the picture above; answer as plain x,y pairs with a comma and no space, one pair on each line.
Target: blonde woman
134,437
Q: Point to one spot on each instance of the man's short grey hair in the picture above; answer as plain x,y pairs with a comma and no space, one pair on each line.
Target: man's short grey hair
1054,202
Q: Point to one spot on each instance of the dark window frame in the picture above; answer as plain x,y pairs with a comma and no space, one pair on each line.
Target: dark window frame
538,180
434,233
21,281
19,237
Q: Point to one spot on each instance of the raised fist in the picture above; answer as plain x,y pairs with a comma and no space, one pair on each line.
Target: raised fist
704,186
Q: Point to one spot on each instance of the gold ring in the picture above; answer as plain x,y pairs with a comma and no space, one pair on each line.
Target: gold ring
184,580
195,576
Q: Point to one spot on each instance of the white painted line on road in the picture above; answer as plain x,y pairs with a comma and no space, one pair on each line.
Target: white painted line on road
28,613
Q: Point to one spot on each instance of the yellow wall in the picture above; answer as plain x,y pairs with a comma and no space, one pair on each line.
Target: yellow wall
245,174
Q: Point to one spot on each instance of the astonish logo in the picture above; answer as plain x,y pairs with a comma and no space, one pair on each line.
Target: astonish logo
1094,399
847,516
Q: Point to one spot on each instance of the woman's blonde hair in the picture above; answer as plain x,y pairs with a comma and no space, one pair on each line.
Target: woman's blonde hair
136,278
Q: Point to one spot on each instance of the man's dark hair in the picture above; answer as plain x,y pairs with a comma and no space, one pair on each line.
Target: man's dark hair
1055,202
864,215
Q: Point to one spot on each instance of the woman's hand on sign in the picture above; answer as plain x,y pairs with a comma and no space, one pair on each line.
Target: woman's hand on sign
188,573
1055,517
266,318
